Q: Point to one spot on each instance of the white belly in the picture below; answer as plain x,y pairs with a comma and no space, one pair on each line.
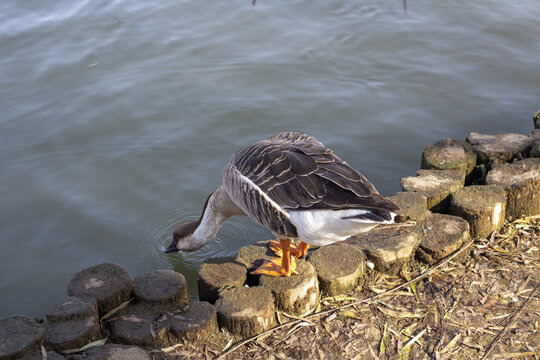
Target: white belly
323,227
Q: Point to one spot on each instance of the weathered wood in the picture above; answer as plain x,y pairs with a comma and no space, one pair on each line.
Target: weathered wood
536,120
449,154
218,273
161,289
246,311
390,249
412,206
442,235
340,267
535,149
483,206
19,336
521,181
436,185
196,322
108,283
116,352
501,148
296,294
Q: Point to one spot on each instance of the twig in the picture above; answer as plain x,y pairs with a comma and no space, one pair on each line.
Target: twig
369,299
510,322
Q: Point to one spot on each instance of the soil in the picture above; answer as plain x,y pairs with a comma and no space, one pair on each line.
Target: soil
486,307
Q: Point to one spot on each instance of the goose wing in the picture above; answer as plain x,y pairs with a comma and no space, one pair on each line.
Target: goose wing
294,171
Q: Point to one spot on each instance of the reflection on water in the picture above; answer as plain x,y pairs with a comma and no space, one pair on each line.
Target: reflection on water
118,117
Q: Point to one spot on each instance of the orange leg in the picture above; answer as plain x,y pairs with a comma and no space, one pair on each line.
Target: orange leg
297,250
279,267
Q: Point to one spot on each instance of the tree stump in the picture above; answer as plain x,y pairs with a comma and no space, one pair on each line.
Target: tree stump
253,256
161,289
390,249
436,185
498,149
340,267
141,325
536,120
19,336
219,273
449,154
116,352
412,206
443,234
535,149
521,181
195,322
108,283
296,294
72,323
483,206
246,311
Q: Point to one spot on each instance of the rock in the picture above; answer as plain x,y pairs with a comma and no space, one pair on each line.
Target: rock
521,181
296,294
72,323
246,311
442,235
449,154
141,325
497,149
436,185
483,206
195,323
412,206
340,267
219,273
115,352
19,336
536,119
161,289
390,249
108,283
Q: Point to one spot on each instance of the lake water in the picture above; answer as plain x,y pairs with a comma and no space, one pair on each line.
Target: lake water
117,117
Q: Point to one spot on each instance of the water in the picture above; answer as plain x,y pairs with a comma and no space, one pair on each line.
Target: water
117,117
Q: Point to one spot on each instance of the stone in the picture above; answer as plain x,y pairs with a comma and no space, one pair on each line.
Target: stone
219,273
442,235
340,268
246,311
412,206
141,325
161,289
536,120
501,148
194,323
115,352
436,185
521,181
483,206
19,336
449,154
296,294
390,249
108,283
72,323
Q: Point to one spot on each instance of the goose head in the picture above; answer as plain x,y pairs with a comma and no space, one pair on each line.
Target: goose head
184,238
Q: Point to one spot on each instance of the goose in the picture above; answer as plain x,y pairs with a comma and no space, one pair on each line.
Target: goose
296,187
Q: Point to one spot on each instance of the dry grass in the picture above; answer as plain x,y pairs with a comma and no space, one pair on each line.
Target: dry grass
484,307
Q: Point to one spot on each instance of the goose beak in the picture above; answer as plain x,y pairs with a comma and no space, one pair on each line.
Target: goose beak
171,248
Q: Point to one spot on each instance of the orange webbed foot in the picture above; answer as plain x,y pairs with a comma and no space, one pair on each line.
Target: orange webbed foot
275,267
297,250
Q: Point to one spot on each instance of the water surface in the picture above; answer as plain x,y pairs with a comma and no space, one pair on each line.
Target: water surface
117,117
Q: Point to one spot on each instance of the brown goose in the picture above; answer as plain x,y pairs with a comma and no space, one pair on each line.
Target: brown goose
295,186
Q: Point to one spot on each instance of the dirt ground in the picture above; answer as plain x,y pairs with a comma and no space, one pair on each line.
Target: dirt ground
486,306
